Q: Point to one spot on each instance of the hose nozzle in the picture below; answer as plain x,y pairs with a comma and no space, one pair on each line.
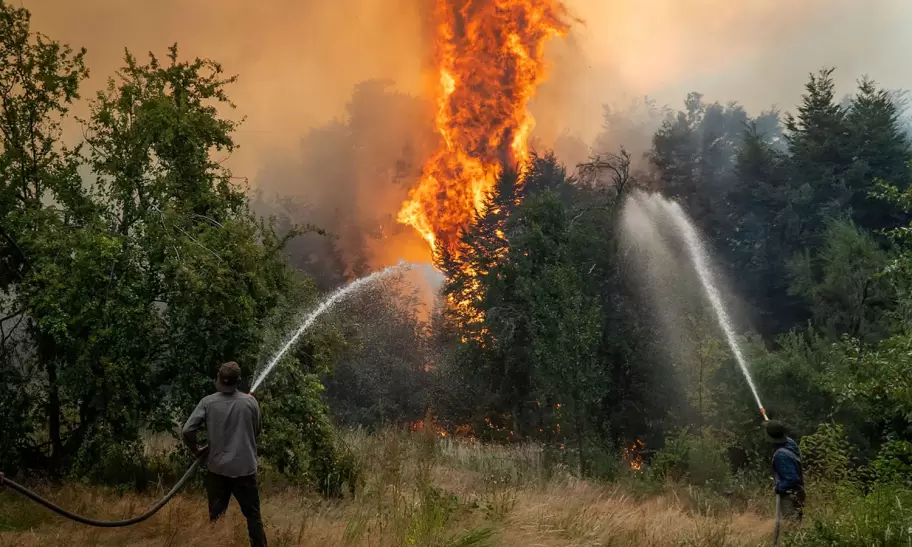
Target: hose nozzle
763,413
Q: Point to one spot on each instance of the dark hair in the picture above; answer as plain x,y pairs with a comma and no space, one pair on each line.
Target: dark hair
229,380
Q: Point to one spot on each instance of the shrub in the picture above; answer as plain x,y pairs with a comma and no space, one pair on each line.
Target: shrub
827,454
699,458
893,464
883,518
105,459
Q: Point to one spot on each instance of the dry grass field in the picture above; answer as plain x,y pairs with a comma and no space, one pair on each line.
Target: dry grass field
417,491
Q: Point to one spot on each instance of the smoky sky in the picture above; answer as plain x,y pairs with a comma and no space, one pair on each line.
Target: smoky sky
299,62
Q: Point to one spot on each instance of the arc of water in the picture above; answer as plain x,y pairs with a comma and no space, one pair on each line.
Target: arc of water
700,262
325,305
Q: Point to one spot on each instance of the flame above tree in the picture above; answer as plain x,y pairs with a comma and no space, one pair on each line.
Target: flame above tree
490,58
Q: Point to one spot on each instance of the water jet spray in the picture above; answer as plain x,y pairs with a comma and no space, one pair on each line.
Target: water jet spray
324,306
655,206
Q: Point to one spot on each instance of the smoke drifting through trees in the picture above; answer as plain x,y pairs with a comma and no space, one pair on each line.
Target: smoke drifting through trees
301,64
350,177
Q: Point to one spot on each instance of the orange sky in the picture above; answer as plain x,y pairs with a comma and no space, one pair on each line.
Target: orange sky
298,59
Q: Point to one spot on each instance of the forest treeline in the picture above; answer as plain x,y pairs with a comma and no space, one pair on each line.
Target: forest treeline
134,263
549,333
807,220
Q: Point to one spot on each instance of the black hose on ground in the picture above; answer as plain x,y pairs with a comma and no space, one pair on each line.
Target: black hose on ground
103,523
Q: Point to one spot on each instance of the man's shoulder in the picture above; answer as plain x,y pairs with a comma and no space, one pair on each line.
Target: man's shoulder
787,452
208,398
252,400
214,398
239,396
219,397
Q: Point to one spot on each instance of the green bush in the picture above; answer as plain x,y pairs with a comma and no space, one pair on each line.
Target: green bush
105,459
827,454
883,518
699,458
671,461
893,464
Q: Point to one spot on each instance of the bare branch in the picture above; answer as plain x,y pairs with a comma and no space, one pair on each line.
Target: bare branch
12,315
617,165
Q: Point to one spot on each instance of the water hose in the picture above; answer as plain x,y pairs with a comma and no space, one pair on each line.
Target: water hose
778,517
103,523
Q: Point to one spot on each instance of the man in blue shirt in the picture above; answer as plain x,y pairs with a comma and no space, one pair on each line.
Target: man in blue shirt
787,472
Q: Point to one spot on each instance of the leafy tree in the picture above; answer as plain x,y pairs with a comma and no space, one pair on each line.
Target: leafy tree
842,284
204,272
43,209
563,322
383,378
819,151
136,283
210,274
880,152
492,353
767,225
547,332
694,155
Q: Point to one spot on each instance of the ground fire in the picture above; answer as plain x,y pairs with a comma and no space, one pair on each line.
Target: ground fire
632,455
490,59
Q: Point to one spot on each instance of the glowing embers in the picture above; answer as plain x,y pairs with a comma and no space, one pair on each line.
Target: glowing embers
632,455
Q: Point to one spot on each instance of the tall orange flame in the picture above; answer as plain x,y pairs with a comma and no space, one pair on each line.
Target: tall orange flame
490,58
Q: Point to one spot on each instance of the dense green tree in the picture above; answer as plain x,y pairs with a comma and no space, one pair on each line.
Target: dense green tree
819,151
493,354
694,157
766,224
204,272
45,211
136,283
842,285
550,337
562,321
881,151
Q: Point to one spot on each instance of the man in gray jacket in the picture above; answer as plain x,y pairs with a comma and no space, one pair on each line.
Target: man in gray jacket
232,421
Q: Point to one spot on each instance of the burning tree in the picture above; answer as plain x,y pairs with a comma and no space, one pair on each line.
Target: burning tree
490,59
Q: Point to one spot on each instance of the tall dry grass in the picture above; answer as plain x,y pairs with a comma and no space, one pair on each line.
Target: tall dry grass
418,490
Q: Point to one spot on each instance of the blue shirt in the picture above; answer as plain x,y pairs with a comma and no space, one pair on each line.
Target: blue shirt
787,467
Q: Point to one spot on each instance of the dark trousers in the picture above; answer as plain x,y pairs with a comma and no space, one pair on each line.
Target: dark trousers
792,505
220,488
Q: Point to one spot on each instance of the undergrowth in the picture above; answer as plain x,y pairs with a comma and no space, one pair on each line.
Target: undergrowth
421,490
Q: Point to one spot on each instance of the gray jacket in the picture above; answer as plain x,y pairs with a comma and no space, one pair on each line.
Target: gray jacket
233,426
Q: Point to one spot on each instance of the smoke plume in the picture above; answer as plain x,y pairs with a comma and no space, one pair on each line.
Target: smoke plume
334,93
